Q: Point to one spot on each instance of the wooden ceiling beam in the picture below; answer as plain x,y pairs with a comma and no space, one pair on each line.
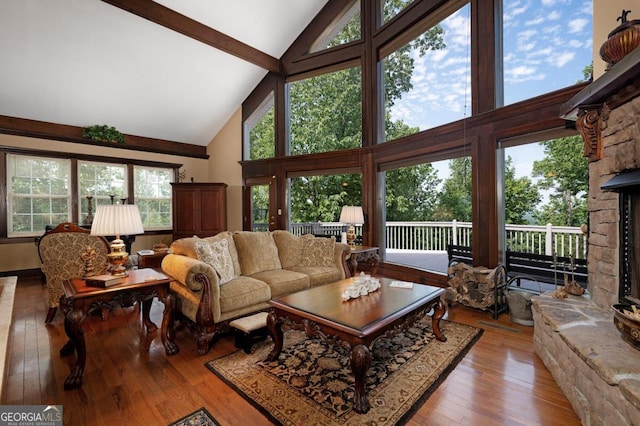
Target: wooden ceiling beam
66,133
173,20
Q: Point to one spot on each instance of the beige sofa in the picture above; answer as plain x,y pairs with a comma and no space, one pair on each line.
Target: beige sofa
230,275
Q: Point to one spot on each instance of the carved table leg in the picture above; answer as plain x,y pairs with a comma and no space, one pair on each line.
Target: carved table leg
441,309
167,325
360,363
275,329
73,327
146,308
375,262
353,266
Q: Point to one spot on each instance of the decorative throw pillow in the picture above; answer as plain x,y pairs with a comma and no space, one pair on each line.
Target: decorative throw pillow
318,252
217,255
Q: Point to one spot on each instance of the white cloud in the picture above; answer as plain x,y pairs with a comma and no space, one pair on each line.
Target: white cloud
554,15
541,52
549,3
520,71
554,29
526,35
456,61
577,25
586,8
562,59
576,44
524,40
526,47
515,9
521,74
536,21
437,55
419,72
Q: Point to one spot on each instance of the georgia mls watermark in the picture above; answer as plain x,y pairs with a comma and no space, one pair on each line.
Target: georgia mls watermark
30,415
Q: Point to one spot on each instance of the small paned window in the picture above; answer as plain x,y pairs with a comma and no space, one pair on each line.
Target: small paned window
38,194
152,194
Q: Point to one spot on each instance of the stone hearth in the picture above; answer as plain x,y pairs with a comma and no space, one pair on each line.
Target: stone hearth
598,372
576,338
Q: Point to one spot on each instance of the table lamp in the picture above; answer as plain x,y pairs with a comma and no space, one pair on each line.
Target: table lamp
351,215
117,219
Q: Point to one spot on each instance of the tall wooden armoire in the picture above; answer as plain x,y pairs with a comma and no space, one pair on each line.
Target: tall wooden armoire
199,209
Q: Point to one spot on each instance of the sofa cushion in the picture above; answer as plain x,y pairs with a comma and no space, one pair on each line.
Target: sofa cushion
257,252
282,281
318,252
289,247
241,292
216,254
319,275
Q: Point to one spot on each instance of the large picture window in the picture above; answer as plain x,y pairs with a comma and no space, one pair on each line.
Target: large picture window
38,194
430,79
428,207
427,81
326,112
260,130
316,202
546,45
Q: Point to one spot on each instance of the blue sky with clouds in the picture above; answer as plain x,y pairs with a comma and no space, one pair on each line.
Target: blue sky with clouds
547,44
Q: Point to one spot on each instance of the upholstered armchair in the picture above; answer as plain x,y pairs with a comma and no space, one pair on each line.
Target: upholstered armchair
61,254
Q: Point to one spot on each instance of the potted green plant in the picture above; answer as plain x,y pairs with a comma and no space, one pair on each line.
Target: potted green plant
103,133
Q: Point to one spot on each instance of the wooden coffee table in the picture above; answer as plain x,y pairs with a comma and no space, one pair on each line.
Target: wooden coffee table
355,323
79,300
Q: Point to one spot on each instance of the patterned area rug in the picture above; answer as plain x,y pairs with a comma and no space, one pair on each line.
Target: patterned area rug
199,417
311,383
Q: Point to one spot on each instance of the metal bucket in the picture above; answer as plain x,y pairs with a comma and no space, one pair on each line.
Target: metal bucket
519,303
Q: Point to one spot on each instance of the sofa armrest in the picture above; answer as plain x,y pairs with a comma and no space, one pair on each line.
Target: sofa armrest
184,270
342,253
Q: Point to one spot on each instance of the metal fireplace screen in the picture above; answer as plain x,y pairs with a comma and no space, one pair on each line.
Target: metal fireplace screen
628,184
630,245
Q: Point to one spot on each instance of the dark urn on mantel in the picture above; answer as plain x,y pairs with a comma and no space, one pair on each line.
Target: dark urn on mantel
621,41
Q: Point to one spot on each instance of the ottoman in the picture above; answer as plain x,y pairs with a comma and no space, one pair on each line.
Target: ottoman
249,330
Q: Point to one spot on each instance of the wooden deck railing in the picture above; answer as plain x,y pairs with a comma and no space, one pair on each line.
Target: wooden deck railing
435,236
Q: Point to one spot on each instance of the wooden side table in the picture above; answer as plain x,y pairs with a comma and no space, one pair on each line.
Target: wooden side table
153,260
79,300
363,258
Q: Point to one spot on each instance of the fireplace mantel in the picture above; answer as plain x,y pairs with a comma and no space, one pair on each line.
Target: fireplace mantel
590,107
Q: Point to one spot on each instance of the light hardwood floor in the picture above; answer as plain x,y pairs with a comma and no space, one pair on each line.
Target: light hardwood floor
129,380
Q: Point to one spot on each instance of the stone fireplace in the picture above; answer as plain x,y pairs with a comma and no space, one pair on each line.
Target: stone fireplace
613,186
576,338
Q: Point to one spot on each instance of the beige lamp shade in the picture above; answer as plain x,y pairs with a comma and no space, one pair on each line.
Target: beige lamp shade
117,219
352,215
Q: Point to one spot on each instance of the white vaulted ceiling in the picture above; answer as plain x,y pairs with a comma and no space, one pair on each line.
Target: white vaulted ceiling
85,62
